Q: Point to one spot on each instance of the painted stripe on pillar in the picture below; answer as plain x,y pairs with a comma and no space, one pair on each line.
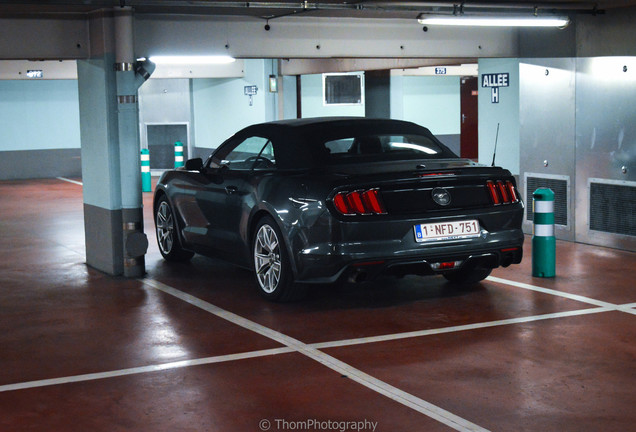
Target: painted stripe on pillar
543,230
543,206
127,99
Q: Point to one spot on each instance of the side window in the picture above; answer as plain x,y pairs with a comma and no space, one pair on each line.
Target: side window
266,158
252,153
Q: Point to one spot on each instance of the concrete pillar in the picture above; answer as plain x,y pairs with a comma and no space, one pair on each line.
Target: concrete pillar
108,83
377,94
128,81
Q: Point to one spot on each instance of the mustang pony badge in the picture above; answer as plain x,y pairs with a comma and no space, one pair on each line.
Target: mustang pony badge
441,196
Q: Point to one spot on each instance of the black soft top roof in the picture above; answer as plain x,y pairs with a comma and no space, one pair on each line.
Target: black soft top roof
339,125
301,140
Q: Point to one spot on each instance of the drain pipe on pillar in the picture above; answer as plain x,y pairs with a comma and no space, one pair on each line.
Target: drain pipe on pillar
130,75
543,240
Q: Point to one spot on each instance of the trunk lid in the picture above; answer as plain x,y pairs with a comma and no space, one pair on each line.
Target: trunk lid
407,188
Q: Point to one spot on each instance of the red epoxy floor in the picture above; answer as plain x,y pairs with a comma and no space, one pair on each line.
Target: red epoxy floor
496,357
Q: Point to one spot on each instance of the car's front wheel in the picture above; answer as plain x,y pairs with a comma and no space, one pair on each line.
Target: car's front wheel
271,263
167,237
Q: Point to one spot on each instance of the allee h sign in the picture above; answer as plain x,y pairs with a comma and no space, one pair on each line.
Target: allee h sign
494,81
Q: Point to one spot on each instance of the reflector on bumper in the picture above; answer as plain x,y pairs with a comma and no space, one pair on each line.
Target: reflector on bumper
446,265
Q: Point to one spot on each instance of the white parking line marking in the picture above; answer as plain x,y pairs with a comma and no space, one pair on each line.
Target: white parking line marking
334,364
454,329
283,350
70,181
312,350
557,293
143,369
627,309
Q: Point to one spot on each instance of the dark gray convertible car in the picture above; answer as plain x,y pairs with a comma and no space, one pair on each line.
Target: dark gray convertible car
316,200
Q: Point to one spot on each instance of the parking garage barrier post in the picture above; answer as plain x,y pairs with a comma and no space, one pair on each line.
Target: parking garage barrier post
543,240
146,185
178,154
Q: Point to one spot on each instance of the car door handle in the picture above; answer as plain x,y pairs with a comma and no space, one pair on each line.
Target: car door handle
230,189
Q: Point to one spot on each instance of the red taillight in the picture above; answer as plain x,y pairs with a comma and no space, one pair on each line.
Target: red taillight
362,202
502,193
437,174
493,192
512,191
355,202
340,203
372,201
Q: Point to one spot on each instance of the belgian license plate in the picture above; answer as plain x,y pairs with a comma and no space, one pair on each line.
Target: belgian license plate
446,230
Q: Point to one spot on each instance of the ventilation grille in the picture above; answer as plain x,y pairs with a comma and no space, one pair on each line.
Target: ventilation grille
560,189
613,208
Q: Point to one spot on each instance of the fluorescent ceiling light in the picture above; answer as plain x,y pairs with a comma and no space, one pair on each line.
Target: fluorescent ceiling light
500,20
192,60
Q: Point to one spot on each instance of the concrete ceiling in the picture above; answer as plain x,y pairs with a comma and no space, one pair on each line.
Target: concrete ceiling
280,8
55,29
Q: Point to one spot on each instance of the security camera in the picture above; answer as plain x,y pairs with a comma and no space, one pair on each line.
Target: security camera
144,69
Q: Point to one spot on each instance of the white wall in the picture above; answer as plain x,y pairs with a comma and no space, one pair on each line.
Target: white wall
432,102
505,113
220,107
38,115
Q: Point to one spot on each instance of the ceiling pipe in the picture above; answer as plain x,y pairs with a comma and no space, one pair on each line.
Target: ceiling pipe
301,7
388,6
478,5
129,76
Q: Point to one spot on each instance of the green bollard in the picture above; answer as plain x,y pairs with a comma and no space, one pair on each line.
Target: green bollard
178,154
543,240
146,184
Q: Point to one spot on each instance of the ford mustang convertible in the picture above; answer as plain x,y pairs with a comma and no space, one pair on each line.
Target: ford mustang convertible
317,200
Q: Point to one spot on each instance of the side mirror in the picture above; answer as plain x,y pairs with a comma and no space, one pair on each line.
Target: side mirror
195,164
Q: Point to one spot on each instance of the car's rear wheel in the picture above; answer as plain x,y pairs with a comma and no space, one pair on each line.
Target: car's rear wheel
468,276
167,237
271,263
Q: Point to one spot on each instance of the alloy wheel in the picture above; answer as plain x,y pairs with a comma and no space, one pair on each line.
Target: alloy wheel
165,228
267,258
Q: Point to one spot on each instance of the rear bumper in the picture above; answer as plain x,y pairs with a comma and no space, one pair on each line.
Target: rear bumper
327,262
